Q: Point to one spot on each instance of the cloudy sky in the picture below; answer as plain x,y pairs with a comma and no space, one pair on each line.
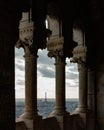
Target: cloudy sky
45,74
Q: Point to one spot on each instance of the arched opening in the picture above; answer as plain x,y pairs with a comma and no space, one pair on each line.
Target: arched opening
19,81
45,75
45,80
72,86
45,83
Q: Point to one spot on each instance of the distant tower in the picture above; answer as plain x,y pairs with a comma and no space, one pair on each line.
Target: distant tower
45,96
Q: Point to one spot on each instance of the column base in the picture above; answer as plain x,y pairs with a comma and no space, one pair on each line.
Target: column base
63,119
81,110
28,115
83,114
59,113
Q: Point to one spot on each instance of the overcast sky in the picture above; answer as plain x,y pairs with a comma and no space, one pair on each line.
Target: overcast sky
45,76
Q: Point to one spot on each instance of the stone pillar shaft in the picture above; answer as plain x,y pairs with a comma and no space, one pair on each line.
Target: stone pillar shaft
30,80
60,85
82,86
31,85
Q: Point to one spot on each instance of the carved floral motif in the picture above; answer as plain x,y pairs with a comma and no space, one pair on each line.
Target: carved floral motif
56,53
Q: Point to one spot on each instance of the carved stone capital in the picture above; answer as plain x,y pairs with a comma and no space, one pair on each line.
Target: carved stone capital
55,53
27,44
77,60
20,44
26,34
82,65
31,35
79,55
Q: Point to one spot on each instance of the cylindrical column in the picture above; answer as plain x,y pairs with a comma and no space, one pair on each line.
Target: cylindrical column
82,87
60,108
60,85
30,84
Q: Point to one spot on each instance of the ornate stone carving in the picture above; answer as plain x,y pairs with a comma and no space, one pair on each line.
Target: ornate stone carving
27,44
79,54
56,53
55,47
56,43
26,31
30,35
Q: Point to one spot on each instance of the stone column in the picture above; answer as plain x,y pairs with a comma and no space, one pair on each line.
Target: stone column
55,47
30,85
82,87
30,81
32,36
30,117
79,57
60,82
60,85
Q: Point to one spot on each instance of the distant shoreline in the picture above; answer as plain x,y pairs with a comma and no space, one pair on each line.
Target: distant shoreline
47,99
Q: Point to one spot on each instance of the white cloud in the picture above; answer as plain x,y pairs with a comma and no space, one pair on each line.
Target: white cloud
72,92
46,85
19,92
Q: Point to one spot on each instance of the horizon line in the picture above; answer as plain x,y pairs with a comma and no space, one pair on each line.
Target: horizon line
49,98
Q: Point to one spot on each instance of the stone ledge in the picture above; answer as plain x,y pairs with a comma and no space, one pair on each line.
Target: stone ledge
20,125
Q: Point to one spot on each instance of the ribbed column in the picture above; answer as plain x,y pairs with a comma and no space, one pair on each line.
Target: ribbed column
82,87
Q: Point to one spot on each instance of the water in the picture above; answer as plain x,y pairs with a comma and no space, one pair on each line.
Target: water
45,107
